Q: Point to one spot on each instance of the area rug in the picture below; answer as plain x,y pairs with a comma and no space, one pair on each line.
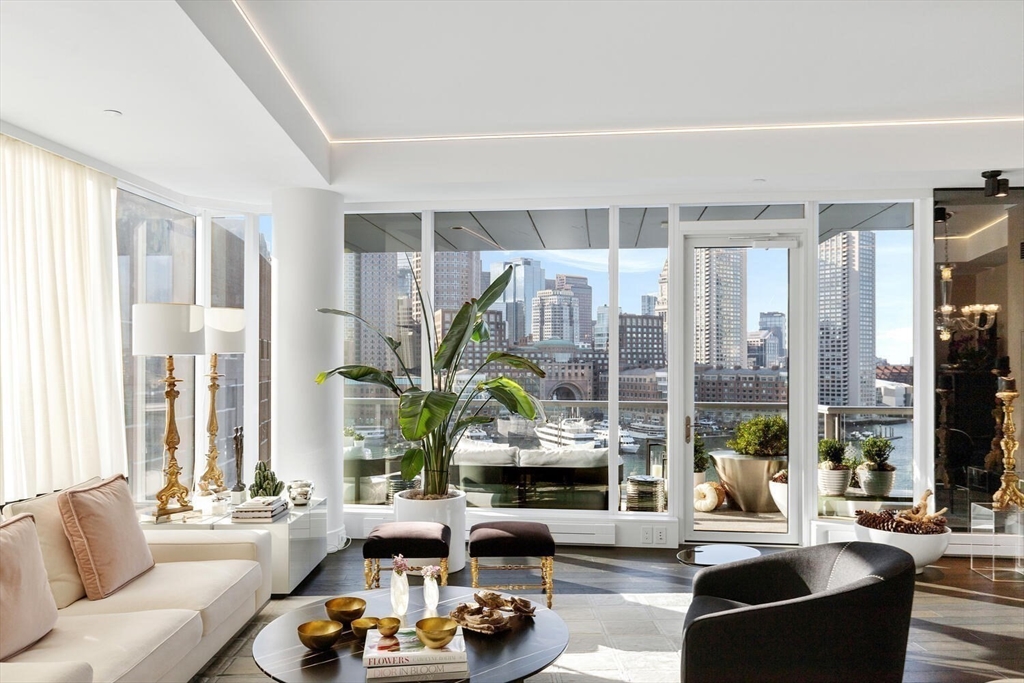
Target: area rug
612,637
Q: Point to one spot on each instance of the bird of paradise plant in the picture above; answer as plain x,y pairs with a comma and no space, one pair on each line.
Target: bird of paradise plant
438,415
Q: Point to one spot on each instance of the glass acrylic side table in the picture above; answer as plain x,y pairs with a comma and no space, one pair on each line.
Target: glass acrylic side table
997,542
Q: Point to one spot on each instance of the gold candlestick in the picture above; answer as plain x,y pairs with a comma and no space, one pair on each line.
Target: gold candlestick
173,488
1009,493
213,478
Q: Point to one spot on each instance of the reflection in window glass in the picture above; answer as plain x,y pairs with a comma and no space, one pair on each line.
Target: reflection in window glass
266,228
381,251
548,314
156,248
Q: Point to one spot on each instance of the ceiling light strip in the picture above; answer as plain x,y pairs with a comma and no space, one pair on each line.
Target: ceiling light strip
694,129
280,68
969,236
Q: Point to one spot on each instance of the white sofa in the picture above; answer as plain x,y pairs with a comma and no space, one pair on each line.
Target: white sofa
163,626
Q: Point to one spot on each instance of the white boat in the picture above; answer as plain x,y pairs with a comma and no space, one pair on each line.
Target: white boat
628,444
648,430
477,434
572,431
370,432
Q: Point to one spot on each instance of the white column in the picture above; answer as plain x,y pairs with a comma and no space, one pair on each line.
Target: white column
306,418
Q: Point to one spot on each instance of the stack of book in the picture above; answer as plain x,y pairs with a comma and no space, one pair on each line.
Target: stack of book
411,660
260,510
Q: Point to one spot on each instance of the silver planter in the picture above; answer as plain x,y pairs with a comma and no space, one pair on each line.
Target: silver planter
745,478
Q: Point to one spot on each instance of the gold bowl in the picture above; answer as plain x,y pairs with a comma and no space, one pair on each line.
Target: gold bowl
361,626
435,632
388,626
320,634
345,609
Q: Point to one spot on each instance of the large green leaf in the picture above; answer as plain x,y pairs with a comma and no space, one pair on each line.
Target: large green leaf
393,343
515,361
363,373
420,412
457,337
473,420
412,463
509,394
481,332
494,290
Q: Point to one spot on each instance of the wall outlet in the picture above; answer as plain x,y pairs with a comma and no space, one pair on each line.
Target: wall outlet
646,535
660,535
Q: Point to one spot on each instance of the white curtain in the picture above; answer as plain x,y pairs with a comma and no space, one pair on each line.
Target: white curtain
61,396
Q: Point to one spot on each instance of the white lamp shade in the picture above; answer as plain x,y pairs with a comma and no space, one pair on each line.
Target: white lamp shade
167,330
225,330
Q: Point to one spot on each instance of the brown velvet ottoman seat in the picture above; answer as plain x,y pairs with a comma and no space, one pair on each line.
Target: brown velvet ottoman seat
409,539
514,539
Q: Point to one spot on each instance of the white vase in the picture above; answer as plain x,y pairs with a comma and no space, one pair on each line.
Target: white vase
780,494
833,482
449,511
876,482
399,592
430,592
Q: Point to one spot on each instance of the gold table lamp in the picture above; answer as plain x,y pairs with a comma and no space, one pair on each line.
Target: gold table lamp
1009,494
169,330
225,333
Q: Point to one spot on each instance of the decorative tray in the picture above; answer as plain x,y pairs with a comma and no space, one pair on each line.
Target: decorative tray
492,613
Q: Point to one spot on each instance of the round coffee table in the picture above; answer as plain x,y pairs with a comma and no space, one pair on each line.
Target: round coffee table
719,553
528,647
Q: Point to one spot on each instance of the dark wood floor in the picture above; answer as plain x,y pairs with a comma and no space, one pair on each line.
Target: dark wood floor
965,627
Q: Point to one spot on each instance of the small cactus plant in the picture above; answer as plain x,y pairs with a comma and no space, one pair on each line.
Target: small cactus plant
831,454
876,451
266,483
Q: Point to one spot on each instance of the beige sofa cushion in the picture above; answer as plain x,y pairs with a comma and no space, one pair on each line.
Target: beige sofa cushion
214,588
129,647
563,457
106,537
61,570
28,611
476,453
46,672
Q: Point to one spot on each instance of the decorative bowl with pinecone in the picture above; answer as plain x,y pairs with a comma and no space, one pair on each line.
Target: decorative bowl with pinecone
922,534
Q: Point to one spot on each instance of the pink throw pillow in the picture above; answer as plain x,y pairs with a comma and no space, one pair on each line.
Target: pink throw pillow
29,612
101,523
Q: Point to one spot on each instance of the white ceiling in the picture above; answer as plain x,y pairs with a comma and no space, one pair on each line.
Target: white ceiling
204,118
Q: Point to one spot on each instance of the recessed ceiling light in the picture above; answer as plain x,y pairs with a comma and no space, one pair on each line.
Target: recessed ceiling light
112,113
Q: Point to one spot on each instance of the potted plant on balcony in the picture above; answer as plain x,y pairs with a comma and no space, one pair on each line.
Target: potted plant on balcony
760,449
436,415
833,474
876,474
701,461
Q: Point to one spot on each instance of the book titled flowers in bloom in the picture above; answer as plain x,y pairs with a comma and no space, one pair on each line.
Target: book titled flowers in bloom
410,650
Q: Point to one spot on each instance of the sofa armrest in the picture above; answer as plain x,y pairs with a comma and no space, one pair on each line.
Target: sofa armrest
172,545
45,672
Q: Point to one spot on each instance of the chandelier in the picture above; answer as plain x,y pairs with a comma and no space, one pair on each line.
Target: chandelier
973,317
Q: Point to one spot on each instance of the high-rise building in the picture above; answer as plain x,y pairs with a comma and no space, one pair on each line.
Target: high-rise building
601,328
763,349
527,280
648,303
776,322
846,320
579,286
456,279
661,305
556,315
375,299
641,341
720,306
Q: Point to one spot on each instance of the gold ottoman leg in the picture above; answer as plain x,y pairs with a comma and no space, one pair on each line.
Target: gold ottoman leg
376,573
444,571
474,570
547,565
368,573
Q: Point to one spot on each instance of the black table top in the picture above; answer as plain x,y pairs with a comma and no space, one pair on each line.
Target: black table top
525,649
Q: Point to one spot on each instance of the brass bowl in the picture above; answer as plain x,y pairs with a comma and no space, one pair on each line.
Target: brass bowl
345,609
361,626
435,632
320,634
388,626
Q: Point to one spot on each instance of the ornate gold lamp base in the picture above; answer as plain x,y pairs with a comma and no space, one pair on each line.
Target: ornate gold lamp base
212,480
173,489
1009,493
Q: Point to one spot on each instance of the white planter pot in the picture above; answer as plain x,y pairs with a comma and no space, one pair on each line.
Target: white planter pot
876,483
449,511
925,548
833,482
780,494
699,478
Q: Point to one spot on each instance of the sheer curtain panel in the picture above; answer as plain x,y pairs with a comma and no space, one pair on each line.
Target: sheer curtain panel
61,406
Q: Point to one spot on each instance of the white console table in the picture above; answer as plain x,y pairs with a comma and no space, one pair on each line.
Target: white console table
299,542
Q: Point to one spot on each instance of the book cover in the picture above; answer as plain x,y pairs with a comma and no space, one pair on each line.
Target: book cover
438,671
412,651
259,520
261,503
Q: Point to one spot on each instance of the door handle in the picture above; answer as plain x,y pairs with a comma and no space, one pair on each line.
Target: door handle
689,429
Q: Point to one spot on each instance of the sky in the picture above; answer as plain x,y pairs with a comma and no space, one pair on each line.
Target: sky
766,283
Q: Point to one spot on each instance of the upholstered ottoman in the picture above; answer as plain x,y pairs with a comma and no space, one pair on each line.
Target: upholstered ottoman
409,539
513,539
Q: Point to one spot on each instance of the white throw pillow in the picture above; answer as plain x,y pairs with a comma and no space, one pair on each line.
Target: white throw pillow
563,457
504,455
29,612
